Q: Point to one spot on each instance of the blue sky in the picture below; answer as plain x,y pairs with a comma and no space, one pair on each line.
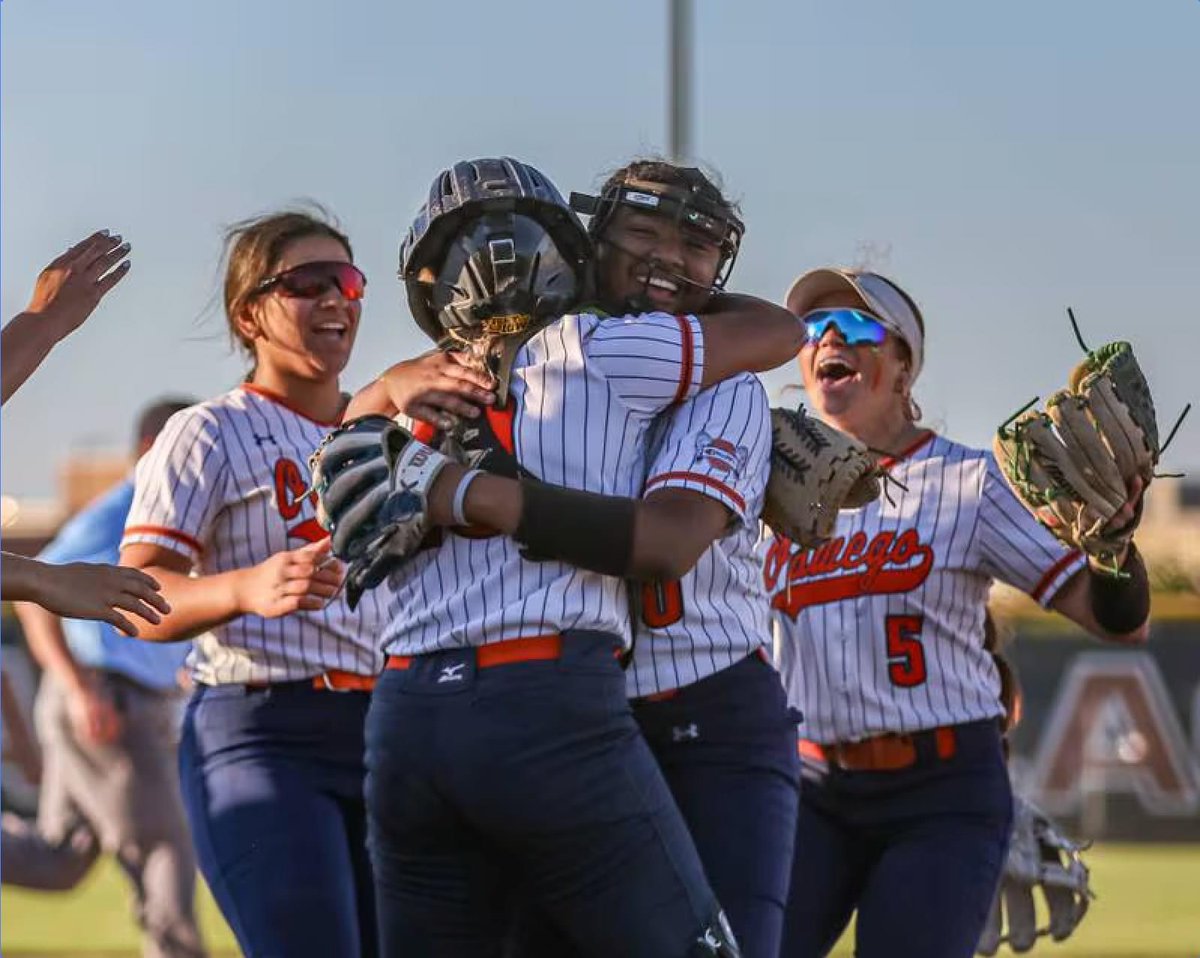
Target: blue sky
1001,161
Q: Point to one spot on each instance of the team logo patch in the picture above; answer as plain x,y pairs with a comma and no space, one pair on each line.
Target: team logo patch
721,454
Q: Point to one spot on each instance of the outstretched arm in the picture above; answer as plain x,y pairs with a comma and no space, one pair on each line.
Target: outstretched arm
284,583
657,538
66,293
745,334
81,590
437,387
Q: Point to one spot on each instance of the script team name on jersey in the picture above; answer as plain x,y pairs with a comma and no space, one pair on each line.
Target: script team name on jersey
881,629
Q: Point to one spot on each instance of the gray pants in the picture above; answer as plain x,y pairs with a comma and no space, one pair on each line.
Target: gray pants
127,795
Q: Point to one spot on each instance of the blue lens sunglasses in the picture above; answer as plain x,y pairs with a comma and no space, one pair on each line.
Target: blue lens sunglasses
856,327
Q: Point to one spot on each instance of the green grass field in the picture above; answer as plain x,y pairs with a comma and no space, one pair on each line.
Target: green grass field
1148,907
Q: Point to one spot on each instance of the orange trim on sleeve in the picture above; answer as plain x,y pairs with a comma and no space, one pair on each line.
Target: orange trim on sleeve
181,537
1052,574
708,481
685,367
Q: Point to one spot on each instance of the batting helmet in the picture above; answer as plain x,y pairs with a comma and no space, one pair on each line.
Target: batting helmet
494,248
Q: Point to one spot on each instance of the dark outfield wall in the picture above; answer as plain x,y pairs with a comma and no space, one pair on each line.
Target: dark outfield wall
1109,739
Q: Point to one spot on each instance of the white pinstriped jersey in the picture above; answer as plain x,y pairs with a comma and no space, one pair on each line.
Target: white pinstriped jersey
881,629
226,485
583,394
719,444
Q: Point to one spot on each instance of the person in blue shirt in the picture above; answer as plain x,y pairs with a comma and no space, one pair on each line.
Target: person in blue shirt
106,719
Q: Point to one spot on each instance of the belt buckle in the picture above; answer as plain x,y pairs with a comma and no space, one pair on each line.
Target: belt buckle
330,687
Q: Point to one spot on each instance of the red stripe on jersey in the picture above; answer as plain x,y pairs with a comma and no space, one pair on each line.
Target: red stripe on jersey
501,421
181,537
285,403
1053,573
423,431
888,461
708,481
685,367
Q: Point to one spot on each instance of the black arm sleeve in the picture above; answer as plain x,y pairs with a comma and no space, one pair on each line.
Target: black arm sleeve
1121,604
584,529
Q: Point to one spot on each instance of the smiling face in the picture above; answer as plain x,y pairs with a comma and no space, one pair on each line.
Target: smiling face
306,339
855,386
641,256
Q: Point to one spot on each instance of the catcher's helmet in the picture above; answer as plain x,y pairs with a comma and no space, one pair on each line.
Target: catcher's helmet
503,247
687,198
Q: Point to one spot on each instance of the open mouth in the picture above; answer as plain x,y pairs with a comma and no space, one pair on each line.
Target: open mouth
334,330
658,288
661,282
833,371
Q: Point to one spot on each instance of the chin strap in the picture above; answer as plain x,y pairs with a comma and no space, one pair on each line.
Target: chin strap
640,302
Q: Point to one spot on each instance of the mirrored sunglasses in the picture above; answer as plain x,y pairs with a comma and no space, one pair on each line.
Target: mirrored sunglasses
310,280
856,327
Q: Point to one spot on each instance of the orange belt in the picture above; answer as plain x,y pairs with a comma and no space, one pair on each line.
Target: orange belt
535,648
335,680
882,753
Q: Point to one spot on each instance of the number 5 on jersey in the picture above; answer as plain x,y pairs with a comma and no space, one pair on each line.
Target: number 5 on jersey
905,653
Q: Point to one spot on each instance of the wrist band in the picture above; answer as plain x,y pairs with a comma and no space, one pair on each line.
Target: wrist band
583,529
1122,604
460,497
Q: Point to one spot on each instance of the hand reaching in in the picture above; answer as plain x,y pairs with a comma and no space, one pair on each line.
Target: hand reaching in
82,590
305,578
70,288
437,387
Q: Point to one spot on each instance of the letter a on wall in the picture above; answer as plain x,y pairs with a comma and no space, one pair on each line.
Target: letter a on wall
1113,728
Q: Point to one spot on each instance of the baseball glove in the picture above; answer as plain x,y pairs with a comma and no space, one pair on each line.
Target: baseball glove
1038,855
816,471
1073,463
371,478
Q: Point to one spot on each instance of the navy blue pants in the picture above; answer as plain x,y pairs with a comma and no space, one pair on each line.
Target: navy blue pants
918,852
727,746
272,783
527,780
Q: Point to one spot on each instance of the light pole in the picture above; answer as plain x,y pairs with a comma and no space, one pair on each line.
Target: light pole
679,107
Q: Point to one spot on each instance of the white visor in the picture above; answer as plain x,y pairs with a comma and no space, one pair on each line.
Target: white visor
882,297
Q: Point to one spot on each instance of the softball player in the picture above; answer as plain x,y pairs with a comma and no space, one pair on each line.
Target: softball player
502,753
271,757
703,692
906,805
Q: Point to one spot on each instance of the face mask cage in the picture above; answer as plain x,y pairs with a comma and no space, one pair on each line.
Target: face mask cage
684,206
503,274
